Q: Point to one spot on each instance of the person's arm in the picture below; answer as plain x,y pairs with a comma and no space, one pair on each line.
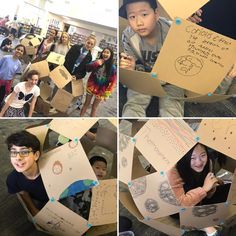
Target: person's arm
94,65
32,105
8,103
29,203
190,198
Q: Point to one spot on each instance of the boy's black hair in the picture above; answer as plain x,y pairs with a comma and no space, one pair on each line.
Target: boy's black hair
23,138
94,159
122,10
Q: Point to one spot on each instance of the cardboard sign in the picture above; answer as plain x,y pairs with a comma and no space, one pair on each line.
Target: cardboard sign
181,8
76,128
153,196
203,216
60,76
45,90
141,82
63,166
40,132
164,142
103,206
56,219
219,134
41,67
200,61
77,87
62,100
56,58
125,158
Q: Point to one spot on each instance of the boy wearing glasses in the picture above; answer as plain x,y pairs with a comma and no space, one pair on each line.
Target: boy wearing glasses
26,180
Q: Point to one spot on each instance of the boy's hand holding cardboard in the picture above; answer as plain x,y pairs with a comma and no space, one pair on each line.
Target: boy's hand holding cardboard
127,62
232,73
195,18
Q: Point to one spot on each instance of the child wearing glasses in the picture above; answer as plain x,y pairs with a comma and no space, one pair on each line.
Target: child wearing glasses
23,92
26,180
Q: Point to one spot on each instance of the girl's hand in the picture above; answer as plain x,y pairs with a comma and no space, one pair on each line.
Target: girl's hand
196,17
210,182
232,72
100,62
127,62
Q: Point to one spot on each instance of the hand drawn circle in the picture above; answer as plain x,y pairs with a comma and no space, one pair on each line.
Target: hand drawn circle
188,65
203,211
73,144
151,205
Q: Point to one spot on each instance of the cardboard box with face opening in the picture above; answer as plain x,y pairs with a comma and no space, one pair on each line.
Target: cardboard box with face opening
67,164
150,195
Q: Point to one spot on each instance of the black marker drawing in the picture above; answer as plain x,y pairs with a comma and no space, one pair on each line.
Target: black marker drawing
166,194
63,74
203,211
151,205
138,187
188,65
124,141
57,168
124,162
56,225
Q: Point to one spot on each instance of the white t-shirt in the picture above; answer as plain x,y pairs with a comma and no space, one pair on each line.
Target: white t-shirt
22,96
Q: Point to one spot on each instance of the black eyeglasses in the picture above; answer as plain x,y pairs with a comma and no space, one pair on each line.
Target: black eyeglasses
23,153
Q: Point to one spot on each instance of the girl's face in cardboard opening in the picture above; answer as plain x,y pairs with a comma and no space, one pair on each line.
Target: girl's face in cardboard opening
100,169
22,164
198,158
142,18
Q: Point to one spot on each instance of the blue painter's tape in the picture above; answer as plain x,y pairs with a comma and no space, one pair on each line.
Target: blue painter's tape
133,140
178,21
162,173
89,225
146,218
197,139
182,209
209,94
76,139
154,75
95,182
129,184
52,199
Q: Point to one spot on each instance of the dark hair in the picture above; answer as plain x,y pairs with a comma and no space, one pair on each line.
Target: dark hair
109,62
23,138
21,45
191,178
123,12
31,73
94,159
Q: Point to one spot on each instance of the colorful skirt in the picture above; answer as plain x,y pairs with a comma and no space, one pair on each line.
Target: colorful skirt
14,112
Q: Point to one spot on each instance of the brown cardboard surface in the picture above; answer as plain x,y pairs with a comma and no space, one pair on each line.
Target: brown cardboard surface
101,230
30,50
60,76
232,192
141,82
25,42
203,216
103,205
35,41
166,225
41,67
153,196
56,58
77,87
63,166
42,106
200,61
59,220
40,132
73,128
45,90
181,8
219,134
125,158
164,142
113,121
61,100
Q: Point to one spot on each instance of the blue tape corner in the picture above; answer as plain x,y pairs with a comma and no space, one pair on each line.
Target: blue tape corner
178,21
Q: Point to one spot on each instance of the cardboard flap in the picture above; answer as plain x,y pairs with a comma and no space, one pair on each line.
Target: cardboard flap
232,191
35,41
141,82
101,230
42,106
125,158
199,52
56,58
128,202
103,206
45,90
40,132
113,121
153,196
76,128
25,42
203,216
61,100
219,134
77,87
30,50
60,76
63,166
56,219
107,138
182,8
41,67
164,142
